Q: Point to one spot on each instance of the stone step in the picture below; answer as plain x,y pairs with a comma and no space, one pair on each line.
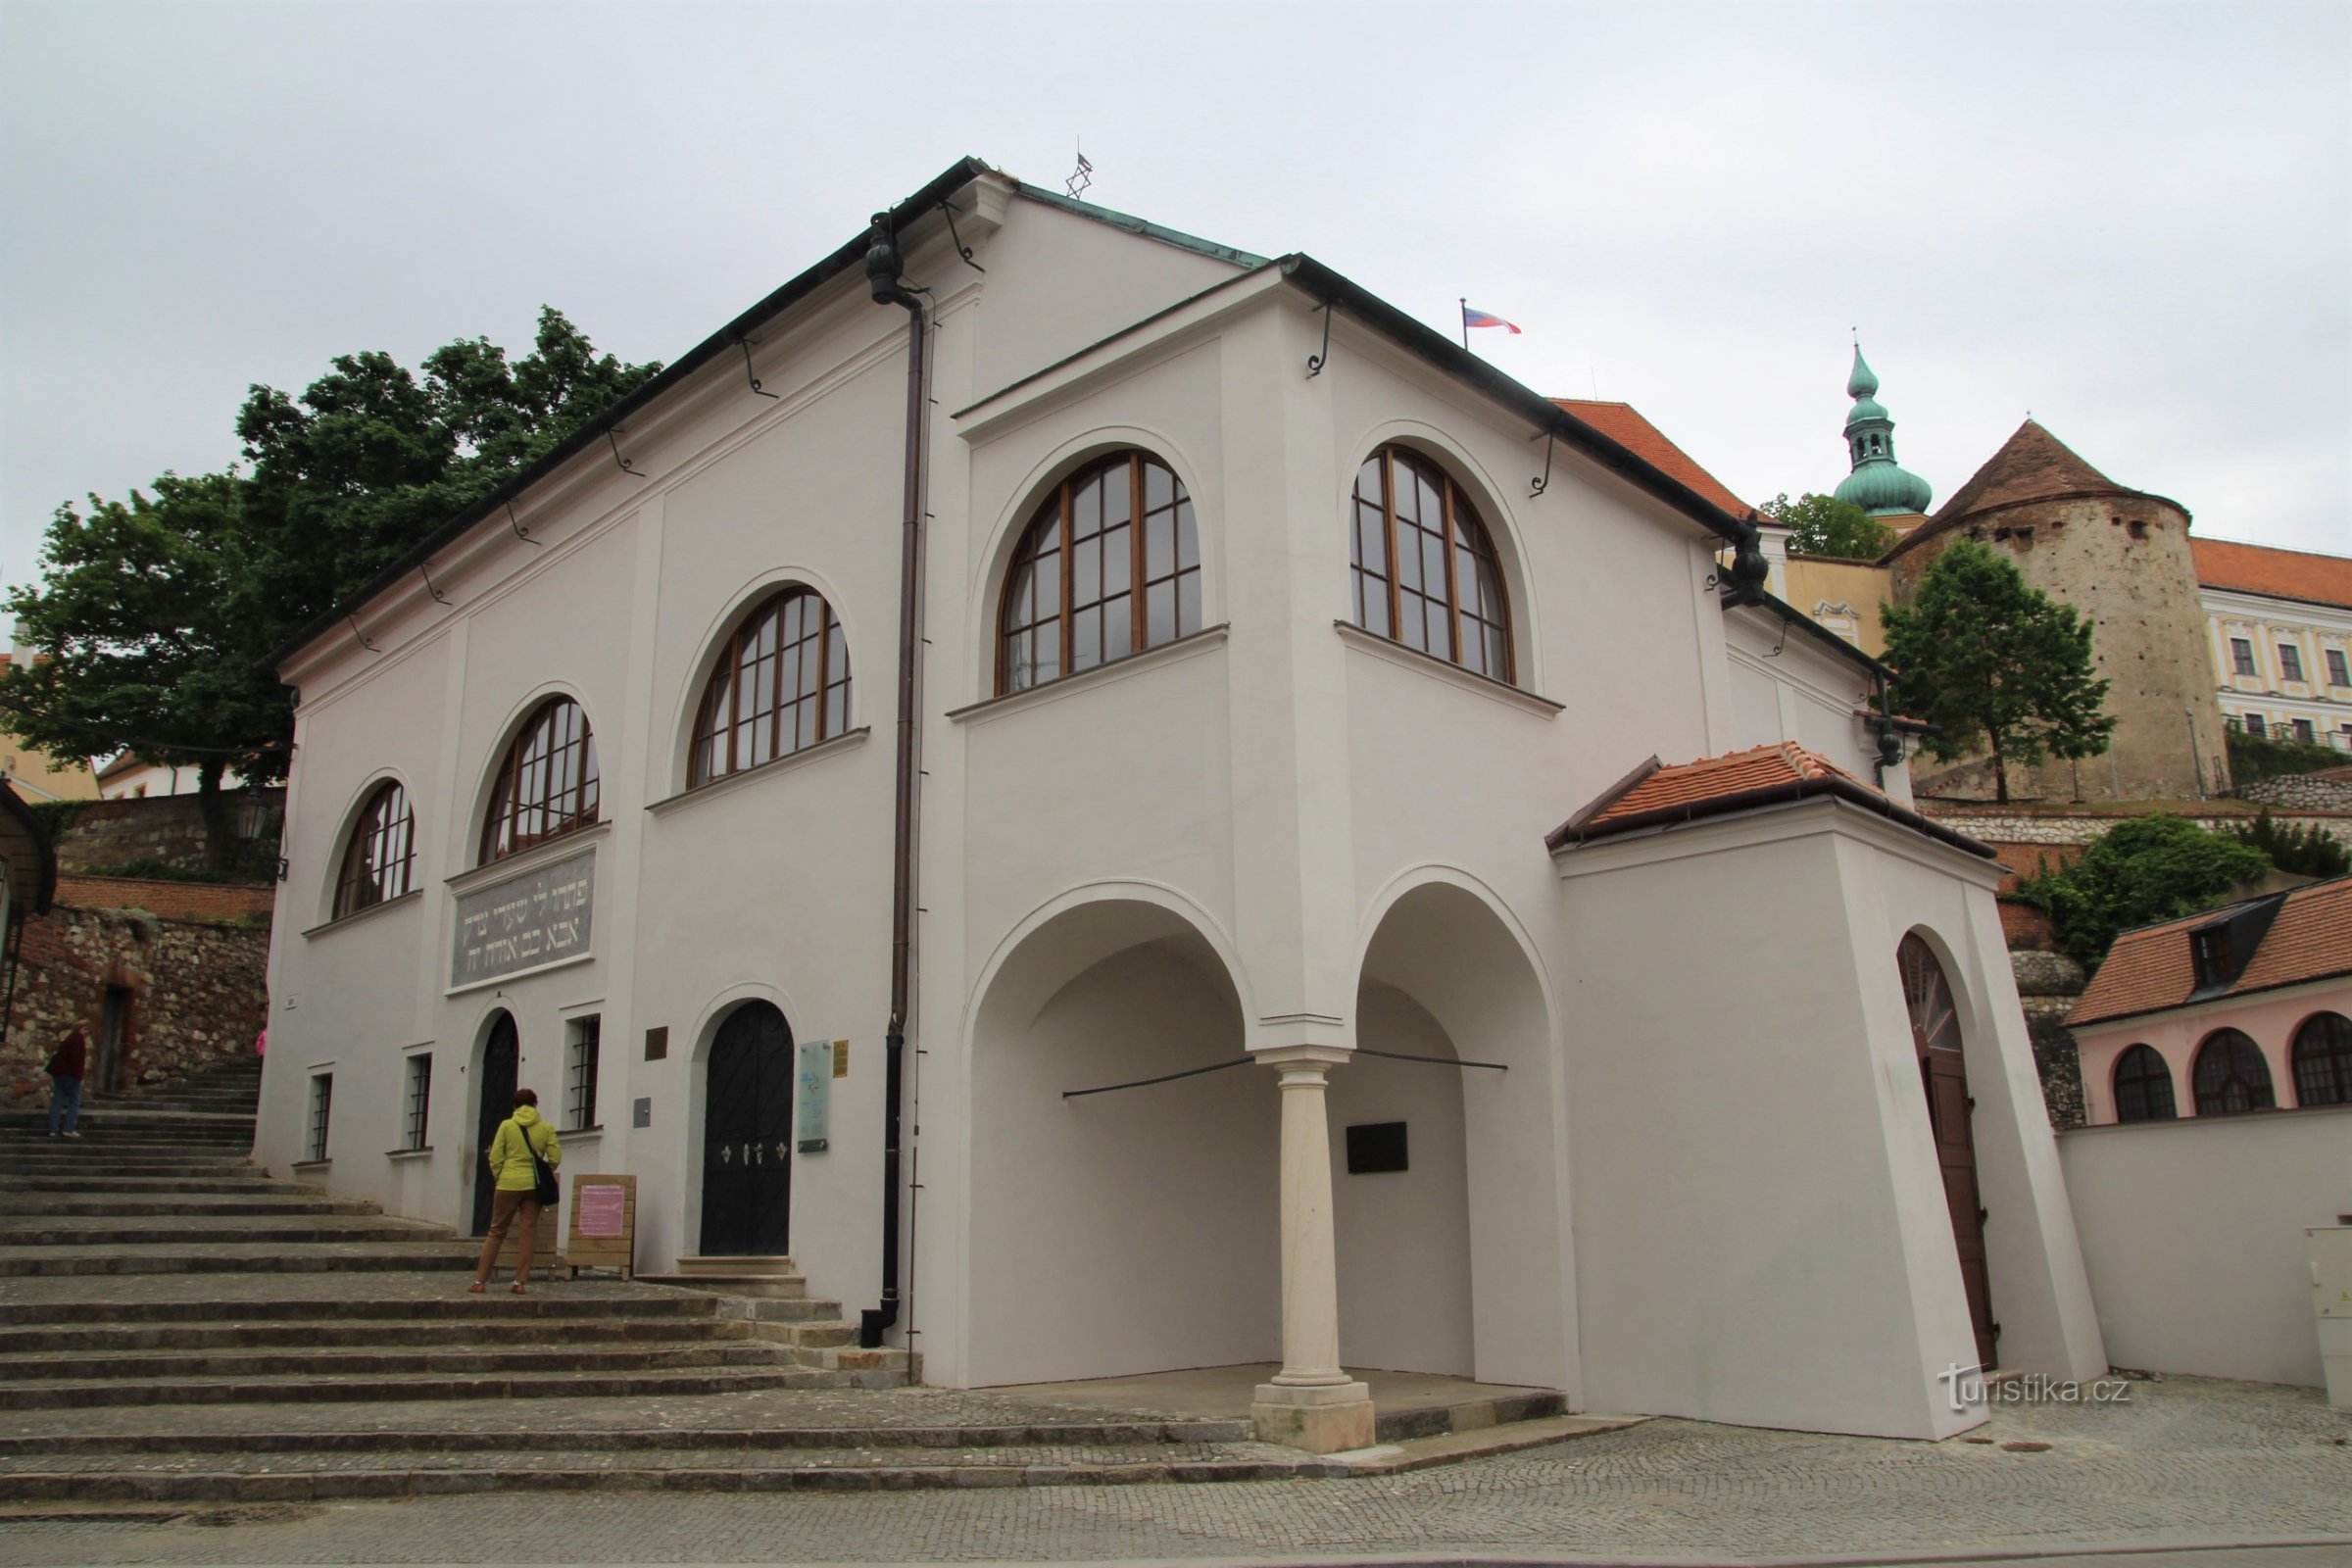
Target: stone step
79,1339
181,1258
244,1179
131,1124
16,1205
123,1230
97,1157
766,1287
643,1383
102,1166
448,1300
304,1478
127,1377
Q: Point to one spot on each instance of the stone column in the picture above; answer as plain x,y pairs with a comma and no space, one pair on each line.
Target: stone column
1311,1404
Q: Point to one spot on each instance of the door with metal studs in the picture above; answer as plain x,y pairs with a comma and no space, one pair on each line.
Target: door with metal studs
747,1136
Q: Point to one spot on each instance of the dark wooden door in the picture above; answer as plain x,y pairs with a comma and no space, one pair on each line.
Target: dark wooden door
1935,1037
494,1102
114,1020
747,1136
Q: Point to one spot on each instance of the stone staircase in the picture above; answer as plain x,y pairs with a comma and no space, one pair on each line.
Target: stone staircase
177,1324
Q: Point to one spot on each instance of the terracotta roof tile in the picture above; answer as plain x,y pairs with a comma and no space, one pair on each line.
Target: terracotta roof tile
2150,970
2033,464
1712,779
1622,424
2273,573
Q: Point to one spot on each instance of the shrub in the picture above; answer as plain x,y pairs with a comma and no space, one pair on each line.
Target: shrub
2147,869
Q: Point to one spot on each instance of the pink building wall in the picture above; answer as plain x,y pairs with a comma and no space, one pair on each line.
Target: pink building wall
2271,1018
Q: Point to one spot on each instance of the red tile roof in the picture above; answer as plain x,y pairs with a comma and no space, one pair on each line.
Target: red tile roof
2033,464
1623,425
2150,970
2275,573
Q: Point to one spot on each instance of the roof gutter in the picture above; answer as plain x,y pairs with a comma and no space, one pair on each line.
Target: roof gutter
848,258
1841,789
1463,365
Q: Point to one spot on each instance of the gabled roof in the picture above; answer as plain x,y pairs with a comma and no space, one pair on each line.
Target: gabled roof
1651,796
2032,466
2151,970
1624,424
2297,575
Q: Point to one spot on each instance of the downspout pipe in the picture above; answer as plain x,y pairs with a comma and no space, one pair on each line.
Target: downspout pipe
883,263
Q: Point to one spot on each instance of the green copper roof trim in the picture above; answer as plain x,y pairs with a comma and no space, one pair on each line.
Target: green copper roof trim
1136,226
1877,484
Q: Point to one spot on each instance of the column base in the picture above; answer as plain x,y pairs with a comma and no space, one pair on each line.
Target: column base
1321,1418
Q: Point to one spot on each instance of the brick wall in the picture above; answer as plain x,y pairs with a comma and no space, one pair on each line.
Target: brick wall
163,827
193,994
215,902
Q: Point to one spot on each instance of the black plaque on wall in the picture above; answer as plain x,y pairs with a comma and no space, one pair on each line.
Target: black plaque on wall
1376,1147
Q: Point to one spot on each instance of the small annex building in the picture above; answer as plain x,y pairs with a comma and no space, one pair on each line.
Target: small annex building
1035,651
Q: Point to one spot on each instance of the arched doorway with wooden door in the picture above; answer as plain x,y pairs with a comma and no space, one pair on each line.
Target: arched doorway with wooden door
1935,1038
494,1084
747,1136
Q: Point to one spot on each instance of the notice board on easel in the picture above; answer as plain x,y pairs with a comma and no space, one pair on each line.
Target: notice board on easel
603,1224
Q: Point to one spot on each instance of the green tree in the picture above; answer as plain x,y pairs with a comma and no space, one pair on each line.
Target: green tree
1827,526
155,615
2147,869
2305,850
372,458
2255,758
1994,664
151,642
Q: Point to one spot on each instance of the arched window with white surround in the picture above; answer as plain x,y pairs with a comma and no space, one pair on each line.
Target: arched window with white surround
2230,1075
1422,565
2322,1060
1109,565
546,782
380,858
2143,1086
781,685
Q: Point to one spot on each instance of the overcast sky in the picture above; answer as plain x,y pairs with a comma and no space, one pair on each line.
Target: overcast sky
2133,220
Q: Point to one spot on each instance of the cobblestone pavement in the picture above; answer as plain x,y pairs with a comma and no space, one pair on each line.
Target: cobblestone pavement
2185,1461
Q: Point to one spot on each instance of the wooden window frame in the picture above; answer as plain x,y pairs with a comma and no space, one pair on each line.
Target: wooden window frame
2290,662
380,858
523,767
2261,1089
2145,1082
1057,515
2321,1054
713,750
1461,530
2241,657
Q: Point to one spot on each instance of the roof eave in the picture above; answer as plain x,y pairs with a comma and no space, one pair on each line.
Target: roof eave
1843,789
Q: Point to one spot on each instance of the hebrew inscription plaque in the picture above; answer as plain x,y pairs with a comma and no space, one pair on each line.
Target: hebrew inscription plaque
526,922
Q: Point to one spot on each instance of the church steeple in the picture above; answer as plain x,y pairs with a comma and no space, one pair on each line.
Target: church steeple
1878,485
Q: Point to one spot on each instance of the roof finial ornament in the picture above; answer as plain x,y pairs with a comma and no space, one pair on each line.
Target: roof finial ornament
1081,177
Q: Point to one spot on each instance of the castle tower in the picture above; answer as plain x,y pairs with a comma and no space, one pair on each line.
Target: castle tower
2120,557
1877,484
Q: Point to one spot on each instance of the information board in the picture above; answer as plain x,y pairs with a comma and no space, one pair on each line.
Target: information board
813,1096
603,1224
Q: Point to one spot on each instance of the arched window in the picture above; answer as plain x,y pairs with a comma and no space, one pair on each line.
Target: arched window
2322,1060
2143,1086
546,786
1934,1023
379,861
1079,574
1423,568
782,684
2230,1075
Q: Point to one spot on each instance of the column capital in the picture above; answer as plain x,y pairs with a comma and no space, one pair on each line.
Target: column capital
1294,1059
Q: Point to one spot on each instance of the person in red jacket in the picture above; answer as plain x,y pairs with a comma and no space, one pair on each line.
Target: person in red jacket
67,1065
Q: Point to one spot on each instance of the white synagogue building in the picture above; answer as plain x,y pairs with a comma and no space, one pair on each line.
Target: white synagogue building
1043,652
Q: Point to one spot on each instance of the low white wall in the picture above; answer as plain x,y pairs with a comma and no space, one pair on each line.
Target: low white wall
2192,1231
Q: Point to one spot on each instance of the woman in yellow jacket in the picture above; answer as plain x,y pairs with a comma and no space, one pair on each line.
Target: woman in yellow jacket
518,1188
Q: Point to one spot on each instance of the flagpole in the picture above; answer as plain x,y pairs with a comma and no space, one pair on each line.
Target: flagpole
1464,302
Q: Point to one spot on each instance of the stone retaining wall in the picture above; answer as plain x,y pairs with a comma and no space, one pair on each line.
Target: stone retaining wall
1996,825
2331,791
192,994
163,828
213,902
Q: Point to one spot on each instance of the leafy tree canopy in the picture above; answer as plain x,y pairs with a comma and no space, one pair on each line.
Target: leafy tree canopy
1827,526
2149,868
1994,666
154,615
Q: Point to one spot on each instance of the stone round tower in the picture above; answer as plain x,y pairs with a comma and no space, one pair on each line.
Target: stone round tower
2120,556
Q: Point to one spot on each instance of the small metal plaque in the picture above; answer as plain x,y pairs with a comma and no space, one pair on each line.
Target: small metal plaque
656,1043
641,1114
841,1058
1376,1147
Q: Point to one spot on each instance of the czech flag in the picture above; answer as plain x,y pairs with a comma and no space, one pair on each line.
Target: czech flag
1471,318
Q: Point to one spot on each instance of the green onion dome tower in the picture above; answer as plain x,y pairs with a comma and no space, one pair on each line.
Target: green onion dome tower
1877,484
